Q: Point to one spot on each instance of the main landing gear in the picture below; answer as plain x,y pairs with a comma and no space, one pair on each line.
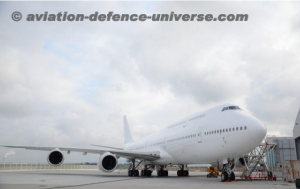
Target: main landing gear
132,172
182,172
227,172
146,172
161,172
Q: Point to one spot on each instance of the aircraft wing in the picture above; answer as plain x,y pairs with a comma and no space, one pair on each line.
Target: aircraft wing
146,155
107,147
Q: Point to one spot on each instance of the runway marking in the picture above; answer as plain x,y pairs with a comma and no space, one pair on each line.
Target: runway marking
68,186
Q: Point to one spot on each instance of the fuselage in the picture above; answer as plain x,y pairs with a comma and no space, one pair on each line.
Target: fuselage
211,135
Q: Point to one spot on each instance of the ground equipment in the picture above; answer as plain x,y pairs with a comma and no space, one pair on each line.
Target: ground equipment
213,172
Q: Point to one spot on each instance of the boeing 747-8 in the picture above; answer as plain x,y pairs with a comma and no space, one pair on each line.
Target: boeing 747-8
219,134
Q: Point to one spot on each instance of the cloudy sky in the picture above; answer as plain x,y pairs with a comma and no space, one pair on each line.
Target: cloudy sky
70,83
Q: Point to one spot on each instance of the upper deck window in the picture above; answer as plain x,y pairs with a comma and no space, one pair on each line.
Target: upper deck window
231,108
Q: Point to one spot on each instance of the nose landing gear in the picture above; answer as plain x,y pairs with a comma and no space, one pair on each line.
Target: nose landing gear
227,172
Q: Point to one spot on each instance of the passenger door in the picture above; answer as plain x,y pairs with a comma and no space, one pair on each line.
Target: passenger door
199,135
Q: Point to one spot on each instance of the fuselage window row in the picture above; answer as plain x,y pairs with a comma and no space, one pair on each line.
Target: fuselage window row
197,117
181,138
224,130
194,135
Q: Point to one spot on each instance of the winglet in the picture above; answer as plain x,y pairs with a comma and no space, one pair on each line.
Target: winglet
127,133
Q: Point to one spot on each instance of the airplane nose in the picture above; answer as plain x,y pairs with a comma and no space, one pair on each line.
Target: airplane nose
257,130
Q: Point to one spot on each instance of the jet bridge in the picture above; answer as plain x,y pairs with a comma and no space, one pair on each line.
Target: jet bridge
256,161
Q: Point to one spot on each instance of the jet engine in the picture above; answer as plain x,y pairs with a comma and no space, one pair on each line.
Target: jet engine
55,158
108,162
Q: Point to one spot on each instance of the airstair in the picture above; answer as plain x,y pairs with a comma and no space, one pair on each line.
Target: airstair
254,163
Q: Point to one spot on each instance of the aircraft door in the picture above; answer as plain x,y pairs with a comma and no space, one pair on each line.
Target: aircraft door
199,135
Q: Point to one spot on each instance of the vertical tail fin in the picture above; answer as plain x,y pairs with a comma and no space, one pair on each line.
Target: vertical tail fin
127,133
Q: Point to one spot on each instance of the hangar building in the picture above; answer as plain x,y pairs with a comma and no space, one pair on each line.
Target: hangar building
296,135
284,150
287,148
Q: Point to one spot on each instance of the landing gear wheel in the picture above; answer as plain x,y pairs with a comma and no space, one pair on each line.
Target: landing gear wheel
162,173
224,176
270,175
182,173
142,172
232,176
210,175
146,173
130,173
159,173
136,173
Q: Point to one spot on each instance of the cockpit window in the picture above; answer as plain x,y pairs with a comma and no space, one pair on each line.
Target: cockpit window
231,108
234,108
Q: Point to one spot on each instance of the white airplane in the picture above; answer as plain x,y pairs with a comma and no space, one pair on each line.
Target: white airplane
219,134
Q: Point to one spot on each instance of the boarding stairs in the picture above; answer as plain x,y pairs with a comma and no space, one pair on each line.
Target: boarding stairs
256,160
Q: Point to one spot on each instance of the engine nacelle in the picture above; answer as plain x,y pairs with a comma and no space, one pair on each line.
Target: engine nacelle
55,158
108,162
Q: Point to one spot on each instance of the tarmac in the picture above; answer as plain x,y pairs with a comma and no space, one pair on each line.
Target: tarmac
92,179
